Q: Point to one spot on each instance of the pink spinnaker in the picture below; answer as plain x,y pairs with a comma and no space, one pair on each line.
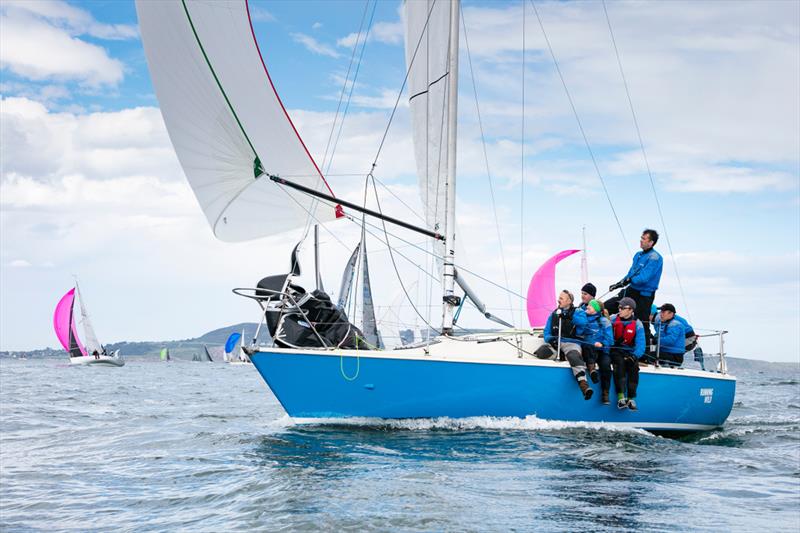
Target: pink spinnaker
63,320
542,290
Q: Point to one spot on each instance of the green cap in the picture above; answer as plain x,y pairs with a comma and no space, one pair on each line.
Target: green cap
594,304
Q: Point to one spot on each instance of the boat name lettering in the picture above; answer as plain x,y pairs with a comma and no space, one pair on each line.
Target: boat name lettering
708,395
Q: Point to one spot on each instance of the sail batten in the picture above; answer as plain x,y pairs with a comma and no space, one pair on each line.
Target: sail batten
225,120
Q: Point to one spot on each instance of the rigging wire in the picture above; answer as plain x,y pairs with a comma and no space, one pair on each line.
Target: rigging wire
459,267
394,264
338,106
646,162
580,126
344,85
352,85
402,88
486,158
522,174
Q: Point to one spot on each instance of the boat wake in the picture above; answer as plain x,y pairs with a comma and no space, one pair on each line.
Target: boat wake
529,423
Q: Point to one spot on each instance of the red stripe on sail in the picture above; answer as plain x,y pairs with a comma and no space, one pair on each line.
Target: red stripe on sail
339,210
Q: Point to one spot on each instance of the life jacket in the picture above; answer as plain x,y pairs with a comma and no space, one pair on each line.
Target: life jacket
624,334
567,325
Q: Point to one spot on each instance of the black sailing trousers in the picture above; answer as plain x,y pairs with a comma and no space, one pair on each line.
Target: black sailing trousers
626,372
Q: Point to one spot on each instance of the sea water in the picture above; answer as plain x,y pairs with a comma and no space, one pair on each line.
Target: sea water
206,447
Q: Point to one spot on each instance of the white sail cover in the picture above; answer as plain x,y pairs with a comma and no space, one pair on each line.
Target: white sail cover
223,113
89,336
427,92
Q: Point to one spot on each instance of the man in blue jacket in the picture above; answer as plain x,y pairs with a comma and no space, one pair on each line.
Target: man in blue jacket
562,331
641,281
670,337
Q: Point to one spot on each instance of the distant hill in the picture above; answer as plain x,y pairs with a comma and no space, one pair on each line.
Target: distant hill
219,336
180,349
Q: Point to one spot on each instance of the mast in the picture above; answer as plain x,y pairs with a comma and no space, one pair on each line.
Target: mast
449,299
584,263
316,258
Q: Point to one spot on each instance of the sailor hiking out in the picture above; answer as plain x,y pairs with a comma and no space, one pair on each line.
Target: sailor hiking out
670,337
625,354
597,341
561,334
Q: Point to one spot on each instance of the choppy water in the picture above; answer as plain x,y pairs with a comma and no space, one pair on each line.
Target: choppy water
206,447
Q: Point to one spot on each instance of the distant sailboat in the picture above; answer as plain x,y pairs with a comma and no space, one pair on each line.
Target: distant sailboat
230,344
91,353
208,358
233,345
165,354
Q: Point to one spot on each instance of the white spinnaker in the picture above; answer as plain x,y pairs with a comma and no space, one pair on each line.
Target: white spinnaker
427,91
221,112
89,336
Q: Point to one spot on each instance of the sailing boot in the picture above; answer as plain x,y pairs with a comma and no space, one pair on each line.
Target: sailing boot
593,373
585,389
622,402
604,397
632,404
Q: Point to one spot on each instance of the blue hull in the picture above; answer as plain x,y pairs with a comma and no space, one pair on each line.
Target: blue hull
312,385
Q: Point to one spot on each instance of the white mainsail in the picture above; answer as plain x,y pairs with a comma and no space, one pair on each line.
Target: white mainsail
432,59
89,336
225,119
428,33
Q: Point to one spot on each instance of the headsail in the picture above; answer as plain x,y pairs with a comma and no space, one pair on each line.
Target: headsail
92,344
225,119
64,325
369,324
428,25
347,278
541,291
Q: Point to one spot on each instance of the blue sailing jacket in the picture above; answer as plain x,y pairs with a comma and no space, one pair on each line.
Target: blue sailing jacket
645,272
578,319
671,335
597,329
687,328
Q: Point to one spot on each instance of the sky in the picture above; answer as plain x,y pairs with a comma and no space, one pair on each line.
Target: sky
90,185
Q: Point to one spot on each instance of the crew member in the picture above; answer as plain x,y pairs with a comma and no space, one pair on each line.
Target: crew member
641,281
670,337
597,339
588,292
561,331
625,354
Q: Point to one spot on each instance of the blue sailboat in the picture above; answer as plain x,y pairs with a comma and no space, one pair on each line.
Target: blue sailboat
253,176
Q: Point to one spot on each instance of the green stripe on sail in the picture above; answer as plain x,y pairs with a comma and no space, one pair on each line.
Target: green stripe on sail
258,170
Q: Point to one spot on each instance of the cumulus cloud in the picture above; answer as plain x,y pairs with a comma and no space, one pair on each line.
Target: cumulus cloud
685,71
103,145
40,41
75,20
